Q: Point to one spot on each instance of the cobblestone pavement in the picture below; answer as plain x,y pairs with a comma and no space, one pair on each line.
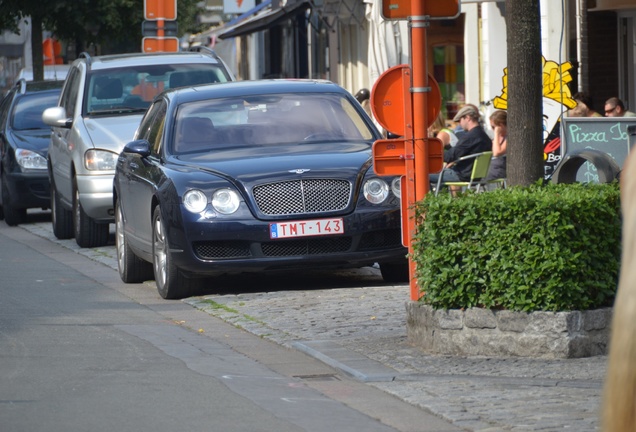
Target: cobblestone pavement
477,394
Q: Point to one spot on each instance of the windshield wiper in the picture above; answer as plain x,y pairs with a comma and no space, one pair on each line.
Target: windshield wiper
118,110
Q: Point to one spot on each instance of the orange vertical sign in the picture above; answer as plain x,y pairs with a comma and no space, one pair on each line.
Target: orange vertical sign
160,44
401,9
160,9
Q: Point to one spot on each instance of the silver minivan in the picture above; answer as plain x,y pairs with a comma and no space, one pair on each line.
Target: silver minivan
98,112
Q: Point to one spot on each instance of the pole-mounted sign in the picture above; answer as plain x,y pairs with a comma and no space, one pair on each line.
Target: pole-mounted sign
405,100
160,26
434,9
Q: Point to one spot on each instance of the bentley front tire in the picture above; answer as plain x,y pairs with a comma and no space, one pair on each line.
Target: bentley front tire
394,272
132,269
171,284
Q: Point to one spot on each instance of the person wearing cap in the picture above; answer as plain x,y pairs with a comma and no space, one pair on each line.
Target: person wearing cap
473,140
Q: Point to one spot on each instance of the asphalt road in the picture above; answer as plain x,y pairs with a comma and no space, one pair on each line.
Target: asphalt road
81,351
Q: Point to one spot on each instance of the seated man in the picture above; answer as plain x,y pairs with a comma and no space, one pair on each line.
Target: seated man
473,140
614,107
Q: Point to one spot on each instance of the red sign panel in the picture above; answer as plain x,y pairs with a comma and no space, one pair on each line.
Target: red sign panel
160,9
401,9
159,44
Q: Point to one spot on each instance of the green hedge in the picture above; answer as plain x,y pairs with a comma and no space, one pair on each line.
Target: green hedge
549,248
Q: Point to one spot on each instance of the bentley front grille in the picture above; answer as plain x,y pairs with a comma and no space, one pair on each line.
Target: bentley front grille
377,240
306,247
302,196
221,249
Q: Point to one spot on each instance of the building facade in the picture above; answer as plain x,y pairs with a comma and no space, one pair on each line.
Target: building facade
348,41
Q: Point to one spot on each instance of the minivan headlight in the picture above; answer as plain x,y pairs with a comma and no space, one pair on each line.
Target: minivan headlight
100,160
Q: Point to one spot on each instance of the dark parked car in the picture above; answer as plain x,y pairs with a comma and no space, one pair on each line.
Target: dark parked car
253,176
24,141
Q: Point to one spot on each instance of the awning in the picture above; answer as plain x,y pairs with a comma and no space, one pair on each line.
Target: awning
249,13
262,20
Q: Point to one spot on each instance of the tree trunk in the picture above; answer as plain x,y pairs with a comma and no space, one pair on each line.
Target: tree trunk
37,54
525,93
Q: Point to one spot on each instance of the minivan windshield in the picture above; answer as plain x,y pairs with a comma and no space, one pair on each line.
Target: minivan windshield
131,89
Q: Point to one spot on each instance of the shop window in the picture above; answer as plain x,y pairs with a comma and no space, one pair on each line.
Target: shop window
448,71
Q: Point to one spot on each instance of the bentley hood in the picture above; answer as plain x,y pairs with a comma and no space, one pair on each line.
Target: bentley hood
274,163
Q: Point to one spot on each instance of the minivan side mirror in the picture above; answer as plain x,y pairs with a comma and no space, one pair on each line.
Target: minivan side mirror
56,117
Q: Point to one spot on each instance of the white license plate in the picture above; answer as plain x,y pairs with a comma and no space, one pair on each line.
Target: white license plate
315,227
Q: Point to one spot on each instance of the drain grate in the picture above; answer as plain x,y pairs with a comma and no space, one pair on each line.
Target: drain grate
319,377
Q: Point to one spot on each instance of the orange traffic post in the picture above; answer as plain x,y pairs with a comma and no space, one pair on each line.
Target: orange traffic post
405,100
392,107
419,89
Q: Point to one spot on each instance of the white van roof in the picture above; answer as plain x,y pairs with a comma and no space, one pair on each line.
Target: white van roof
51,72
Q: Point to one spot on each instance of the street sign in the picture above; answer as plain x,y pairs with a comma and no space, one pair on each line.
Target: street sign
150,28
434,9
158,44
389,157
391,92
160,9
435,152
389,95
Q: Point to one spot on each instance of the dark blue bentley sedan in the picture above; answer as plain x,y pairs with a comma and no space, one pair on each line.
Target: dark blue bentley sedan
253,176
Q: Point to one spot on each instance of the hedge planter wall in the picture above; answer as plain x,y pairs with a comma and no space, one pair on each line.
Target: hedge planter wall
552,248
492,333
542,248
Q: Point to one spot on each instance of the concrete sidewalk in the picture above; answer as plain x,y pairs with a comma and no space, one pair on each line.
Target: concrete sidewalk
362,331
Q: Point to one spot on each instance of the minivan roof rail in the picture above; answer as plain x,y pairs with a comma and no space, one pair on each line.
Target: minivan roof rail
22,85
205,50
87,56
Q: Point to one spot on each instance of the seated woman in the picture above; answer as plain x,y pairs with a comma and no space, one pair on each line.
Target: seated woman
499,124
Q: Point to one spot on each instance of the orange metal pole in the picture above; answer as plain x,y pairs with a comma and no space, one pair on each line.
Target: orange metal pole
160,21
419,92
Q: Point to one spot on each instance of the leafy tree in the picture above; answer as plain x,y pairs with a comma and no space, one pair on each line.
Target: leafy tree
525,99
11,11
113,26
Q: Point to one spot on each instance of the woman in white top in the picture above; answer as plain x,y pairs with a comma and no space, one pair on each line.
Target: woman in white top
439,130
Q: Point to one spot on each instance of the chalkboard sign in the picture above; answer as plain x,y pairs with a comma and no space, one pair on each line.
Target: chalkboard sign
606,134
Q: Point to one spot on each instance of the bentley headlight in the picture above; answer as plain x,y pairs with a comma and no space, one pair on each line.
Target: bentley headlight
375,190
29,159
100,160
396,186
225,201
195,201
